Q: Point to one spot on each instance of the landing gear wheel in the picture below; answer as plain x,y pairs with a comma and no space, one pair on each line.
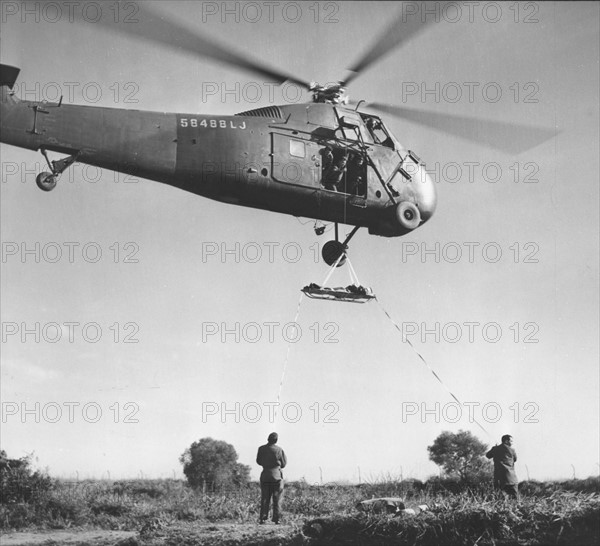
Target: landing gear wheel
46,181
332,251
408,215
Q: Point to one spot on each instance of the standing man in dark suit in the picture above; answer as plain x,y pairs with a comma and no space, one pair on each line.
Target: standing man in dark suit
505,478
272,458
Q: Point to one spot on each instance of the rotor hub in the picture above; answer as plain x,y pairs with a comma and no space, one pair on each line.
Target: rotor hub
332,93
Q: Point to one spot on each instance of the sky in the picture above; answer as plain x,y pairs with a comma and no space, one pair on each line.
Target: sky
138,318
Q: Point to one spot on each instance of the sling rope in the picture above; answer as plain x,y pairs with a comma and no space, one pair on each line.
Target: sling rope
351,271
353,275
332,268
429,367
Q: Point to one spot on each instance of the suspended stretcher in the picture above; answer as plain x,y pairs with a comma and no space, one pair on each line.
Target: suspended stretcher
353,293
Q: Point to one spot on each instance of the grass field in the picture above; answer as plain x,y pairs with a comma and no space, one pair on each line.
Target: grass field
168,512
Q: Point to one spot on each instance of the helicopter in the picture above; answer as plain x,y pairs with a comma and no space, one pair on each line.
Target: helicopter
326,160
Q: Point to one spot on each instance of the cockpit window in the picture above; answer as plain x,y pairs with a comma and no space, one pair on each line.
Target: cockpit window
353,126
378,131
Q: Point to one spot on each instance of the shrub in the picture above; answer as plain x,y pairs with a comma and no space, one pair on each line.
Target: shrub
19,483
212,464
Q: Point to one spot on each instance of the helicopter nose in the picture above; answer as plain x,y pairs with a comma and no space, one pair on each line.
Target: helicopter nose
426,194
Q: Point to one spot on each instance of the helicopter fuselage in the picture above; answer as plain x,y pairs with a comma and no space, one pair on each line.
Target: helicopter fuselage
274,158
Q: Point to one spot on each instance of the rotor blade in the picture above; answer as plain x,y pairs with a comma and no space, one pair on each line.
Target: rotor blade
405,27
158,28
512,138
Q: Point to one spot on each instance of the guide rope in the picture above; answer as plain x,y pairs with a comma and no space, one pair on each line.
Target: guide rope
287,356
429,367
